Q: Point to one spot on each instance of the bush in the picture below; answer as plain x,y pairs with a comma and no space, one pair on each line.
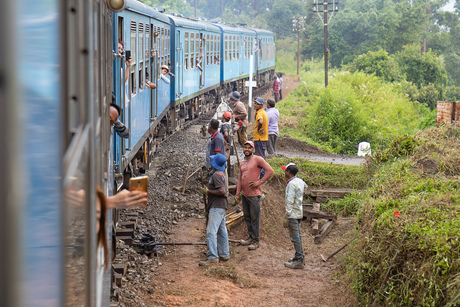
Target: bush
423,69
453,93
377,63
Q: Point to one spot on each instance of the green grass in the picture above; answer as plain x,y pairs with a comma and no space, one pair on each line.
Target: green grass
425,271
324,175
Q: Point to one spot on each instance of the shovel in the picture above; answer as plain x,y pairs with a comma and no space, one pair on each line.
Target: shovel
325,259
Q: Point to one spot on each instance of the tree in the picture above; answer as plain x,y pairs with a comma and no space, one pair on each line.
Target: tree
378,63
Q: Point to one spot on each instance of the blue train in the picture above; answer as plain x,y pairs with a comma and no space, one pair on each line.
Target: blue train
60,67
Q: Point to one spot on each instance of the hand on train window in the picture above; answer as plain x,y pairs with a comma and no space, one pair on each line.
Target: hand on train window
127,199
149,84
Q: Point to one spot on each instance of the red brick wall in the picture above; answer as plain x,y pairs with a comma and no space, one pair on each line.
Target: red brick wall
445,112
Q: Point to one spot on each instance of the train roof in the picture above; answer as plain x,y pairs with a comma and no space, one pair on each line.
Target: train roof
184,22
263,32
235,29
141,8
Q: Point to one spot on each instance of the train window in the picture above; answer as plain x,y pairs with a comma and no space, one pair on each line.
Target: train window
148,47
233,48
133,46
226,48
197,49
207,49
162,46
192,50
186,51
213,41
141,56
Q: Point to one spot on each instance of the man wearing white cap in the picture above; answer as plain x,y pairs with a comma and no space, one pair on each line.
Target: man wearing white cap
294,213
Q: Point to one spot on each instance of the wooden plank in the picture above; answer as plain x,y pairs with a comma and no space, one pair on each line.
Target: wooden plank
118,280
318,215
127,240
128,225
120,268
330,193
325,230
125,232
315,222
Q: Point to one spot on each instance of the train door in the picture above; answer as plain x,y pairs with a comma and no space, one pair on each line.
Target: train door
241,53
179,65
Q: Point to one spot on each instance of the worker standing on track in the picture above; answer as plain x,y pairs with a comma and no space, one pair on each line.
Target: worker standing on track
216,229
216,143
294,213
249,187
240,117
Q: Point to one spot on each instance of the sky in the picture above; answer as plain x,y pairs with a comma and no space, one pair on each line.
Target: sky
449,6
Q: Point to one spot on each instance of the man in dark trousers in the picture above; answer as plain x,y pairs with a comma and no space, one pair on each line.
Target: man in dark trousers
276,88
216,229
216,143
240,116
294,213
249,187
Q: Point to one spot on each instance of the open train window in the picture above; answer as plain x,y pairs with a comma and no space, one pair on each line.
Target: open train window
148,54
218,49
192,50
186,50
133,48
226,48
207,49
141,56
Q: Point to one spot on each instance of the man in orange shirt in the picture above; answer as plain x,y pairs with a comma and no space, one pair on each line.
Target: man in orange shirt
249,187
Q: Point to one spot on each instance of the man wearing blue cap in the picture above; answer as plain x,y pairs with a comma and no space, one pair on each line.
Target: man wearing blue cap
216,230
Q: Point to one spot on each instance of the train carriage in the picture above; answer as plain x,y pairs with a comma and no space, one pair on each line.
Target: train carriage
265,56
196,66
145,34
237,47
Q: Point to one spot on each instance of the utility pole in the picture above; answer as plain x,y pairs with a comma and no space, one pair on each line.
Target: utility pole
195,9
298,25
222,10
324,19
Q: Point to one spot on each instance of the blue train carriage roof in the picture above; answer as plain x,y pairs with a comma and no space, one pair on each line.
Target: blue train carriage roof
235,29
141,8
188,23
263,32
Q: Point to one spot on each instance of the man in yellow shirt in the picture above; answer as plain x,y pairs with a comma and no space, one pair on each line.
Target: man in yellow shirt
260,130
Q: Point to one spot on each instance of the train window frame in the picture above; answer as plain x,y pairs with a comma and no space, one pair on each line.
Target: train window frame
234,48
133,47
186,50
192,50
226,48
147,52
207,49
218,49
141,56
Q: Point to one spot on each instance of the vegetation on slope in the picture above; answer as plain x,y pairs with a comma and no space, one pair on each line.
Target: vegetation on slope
409,223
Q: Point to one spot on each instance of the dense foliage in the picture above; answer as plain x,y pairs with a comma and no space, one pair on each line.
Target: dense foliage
378,63
355,107
409,223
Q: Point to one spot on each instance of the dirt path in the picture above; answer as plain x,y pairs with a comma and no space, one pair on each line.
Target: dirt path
262,279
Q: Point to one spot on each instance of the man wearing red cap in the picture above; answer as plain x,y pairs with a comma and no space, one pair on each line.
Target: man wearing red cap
294,213
249,187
